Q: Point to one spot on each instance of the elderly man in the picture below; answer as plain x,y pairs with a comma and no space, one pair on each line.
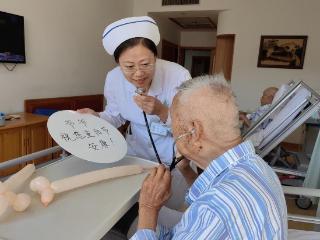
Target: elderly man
238,196
265,101
268,95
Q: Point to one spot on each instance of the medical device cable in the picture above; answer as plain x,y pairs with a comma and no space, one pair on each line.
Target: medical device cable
175,160
151,138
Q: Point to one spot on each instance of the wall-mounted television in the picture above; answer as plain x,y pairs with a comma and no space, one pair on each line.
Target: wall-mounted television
12,47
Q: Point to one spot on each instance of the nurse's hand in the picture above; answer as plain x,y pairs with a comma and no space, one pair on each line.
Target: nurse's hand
155,191
88,110
152,106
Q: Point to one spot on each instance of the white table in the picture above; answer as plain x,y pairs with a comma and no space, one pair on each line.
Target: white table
85,213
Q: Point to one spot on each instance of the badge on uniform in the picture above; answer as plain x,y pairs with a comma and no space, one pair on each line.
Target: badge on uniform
159,128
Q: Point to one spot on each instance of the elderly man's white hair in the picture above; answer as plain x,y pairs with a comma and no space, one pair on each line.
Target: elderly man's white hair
211,99
217,82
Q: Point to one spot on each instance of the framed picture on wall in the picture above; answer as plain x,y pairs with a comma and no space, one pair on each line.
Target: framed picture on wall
282,51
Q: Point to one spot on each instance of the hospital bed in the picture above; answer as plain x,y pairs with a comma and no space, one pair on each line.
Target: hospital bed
293,105
292,109
296,103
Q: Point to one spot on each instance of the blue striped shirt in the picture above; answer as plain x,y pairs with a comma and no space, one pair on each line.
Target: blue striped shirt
238,196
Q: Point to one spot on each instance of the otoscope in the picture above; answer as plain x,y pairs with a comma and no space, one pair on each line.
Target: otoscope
175,160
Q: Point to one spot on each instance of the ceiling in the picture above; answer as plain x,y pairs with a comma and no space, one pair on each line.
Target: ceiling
193,20
194,23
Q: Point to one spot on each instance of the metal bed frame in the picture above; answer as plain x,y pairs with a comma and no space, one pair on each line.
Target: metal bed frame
312,106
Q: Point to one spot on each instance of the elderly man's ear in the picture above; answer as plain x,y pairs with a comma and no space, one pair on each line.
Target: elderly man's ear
196,134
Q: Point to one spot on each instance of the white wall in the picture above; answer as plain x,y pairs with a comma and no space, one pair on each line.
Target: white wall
198,38
64,53
168,31
285,17
249,19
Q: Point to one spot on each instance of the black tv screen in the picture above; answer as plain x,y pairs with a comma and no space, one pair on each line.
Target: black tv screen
12,49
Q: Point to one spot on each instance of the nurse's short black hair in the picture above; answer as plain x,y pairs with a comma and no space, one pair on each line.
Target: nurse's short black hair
132,42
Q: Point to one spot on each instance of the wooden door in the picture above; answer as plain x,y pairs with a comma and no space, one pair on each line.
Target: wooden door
200,65
224,55
169,51
38,139
12,145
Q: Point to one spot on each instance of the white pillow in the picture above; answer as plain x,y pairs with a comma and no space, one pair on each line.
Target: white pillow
282,90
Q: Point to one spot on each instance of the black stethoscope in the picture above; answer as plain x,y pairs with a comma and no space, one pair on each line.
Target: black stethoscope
175,160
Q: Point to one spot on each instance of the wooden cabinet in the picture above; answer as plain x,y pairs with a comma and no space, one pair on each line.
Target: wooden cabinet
38,139
12,145
23,136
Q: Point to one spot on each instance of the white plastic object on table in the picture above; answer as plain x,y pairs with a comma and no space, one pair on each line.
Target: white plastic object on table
84,213
87,137
21,201
47,190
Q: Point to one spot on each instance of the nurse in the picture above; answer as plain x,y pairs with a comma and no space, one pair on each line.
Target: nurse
132,42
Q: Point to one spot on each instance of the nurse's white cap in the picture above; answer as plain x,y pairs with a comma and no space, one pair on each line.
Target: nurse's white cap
124,29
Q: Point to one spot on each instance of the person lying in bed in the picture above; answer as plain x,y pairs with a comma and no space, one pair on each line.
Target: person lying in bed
238,196
265,100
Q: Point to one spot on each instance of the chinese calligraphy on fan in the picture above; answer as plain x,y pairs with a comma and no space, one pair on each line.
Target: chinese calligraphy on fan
98,137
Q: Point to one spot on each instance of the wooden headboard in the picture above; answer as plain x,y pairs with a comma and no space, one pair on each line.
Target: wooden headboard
94,102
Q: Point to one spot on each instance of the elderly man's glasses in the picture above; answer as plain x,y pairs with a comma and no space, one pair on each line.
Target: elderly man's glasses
131,69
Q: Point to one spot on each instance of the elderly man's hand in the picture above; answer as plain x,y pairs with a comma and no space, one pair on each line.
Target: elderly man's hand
156,190
245,120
